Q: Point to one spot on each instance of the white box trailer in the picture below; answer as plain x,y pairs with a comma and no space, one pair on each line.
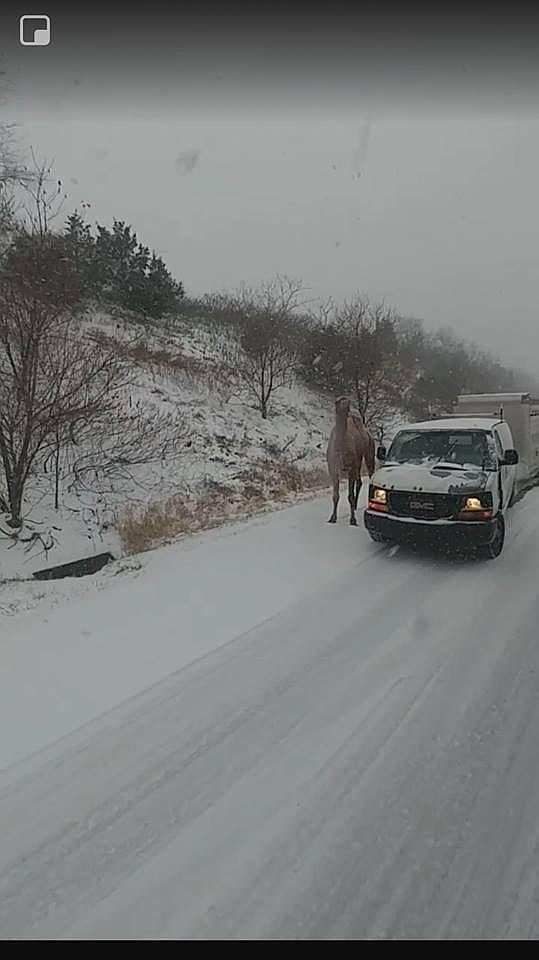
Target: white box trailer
521,413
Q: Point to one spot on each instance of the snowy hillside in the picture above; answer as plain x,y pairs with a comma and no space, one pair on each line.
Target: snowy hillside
228,462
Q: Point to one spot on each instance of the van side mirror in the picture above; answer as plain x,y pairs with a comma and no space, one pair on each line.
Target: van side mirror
510,458
381,453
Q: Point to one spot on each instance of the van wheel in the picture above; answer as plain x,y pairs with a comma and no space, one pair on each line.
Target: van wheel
493,549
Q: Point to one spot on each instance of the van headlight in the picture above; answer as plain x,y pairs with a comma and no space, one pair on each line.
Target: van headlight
378,499
477,506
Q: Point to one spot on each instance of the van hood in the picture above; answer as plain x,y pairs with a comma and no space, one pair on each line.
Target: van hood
430,479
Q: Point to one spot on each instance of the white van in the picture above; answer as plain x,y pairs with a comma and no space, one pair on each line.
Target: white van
521,412
445,481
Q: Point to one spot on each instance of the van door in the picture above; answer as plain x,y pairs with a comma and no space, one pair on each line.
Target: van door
504,441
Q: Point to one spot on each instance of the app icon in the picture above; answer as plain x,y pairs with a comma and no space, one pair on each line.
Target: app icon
35,30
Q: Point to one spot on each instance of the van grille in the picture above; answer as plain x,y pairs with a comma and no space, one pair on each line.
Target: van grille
422,506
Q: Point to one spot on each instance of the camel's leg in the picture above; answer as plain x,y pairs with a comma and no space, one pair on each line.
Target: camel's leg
370,457
352,499
357,488
357,492
333,517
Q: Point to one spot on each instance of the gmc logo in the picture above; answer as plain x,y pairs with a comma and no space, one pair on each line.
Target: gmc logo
421,505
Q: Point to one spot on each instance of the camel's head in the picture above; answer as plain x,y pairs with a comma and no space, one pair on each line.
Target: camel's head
342,406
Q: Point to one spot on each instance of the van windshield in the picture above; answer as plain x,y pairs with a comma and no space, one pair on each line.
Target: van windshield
465,448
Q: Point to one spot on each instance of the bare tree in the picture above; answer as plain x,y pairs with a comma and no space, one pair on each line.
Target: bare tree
63,392
53,378
283,296
371,368
325,312
110,448
260,345
12,169
43,197
13,174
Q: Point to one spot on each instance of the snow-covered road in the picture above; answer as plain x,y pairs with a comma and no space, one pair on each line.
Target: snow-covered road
334,742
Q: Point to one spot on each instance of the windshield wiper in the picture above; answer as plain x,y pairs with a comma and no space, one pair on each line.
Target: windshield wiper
441,459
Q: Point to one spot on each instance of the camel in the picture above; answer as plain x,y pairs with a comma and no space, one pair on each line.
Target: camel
350,444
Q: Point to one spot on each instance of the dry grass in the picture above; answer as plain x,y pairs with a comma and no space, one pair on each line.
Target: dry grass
265,481
275,478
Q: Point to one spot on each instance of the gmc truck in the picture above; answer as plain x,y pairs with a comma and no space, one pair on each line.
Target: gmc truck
451,481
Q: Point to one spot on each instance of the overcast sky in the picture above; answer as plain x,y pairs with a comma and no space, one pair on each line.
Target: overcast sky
430,203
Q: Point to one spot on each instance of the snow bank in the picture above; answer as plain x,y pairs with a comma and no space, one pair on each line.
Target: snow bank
222,435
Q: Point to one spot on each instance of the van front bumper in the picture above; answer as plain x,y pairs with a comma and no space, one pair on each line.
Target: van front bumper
452,533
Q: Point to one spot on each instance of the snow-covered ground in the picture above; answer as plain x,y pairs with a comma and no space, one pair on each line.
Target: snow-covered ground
72,649
229,457
276,730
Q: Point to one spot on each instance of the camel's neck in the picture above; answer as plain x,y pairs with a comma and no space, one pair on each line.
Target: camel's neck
341,422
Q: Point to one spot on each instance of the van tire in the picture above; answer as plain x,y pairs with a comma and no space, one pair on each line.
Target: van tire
493,549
